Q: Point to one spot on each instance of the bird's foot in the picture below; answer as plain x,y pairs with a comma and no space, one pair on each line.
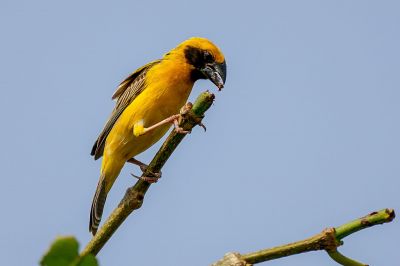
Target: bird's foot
180,130
186,113
185,110
152,178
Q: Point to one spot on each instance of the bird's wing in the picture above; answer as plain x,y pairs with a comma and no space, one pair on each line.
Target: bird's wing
126,92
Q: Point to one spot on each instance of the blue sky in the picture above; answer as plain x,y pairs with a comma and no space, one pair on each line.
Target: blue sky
305,134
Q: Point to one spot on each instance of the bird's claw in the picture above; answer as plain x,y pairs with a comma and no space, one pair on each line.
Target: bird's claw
179,129
186,109
153,178
198,121
185,112
202,125
149,179
182,131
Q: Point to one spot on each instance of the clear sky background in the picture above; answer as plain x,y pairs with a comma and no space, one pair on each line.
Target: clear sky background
305,134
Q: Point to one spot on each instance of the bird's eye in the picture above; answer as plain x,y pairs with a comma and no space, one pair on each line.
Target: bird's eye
208,57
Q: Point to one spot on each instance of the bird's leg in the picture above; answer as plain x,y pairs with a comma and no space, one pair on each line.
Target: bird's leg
139,129
142,165
185,113
151,179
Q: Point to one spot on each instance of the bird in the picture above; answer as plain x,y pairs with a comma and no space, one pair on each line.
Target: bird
147,104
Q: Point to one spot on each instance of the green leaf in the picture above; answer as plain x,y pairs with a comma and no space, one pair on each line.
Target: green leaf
88,260
64,252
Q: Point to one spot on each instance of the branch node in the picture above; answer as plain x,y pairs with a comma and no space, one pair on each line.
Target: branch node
231,259
133,199
329,240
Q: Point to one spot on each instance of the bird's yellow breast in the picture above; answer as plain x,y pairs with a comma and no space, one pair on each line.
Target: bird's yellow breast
168,86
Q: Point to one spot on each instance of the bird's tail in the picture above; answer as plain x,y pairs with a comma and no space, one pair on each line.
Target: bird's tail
99,200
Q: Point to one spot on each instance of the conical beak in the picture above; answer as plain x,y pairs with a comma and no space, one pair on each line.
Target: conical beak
216,72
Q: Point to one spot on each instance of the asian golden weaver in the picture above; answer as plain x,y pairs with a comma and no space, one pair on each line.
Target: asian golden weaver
153,93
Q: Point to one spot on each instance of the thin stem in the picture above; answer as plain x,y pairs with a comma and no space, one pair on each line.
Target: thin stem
320,241
343,260
374,218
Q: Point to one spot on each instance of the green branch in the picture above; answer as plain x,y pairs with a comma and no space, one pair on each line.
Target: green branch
343,260
134,195
327,240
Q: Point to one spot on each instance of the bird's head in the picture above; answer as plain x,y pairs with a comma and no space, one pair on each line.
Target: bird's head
206,60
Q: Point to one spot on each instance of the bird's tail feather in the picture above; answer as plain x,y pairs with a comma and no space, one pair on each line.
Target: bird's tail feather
99,200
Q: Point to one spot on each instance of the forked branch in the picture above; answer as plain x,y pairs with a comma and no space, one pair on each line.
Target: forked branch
329,240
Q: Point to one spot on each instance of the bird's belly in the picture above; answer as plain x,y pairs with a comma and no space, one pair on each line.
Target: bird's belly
122,143
139,144
150,107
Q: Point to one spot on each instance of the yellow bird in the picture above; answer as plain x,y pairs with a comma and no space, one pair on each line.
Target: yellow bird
147,103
